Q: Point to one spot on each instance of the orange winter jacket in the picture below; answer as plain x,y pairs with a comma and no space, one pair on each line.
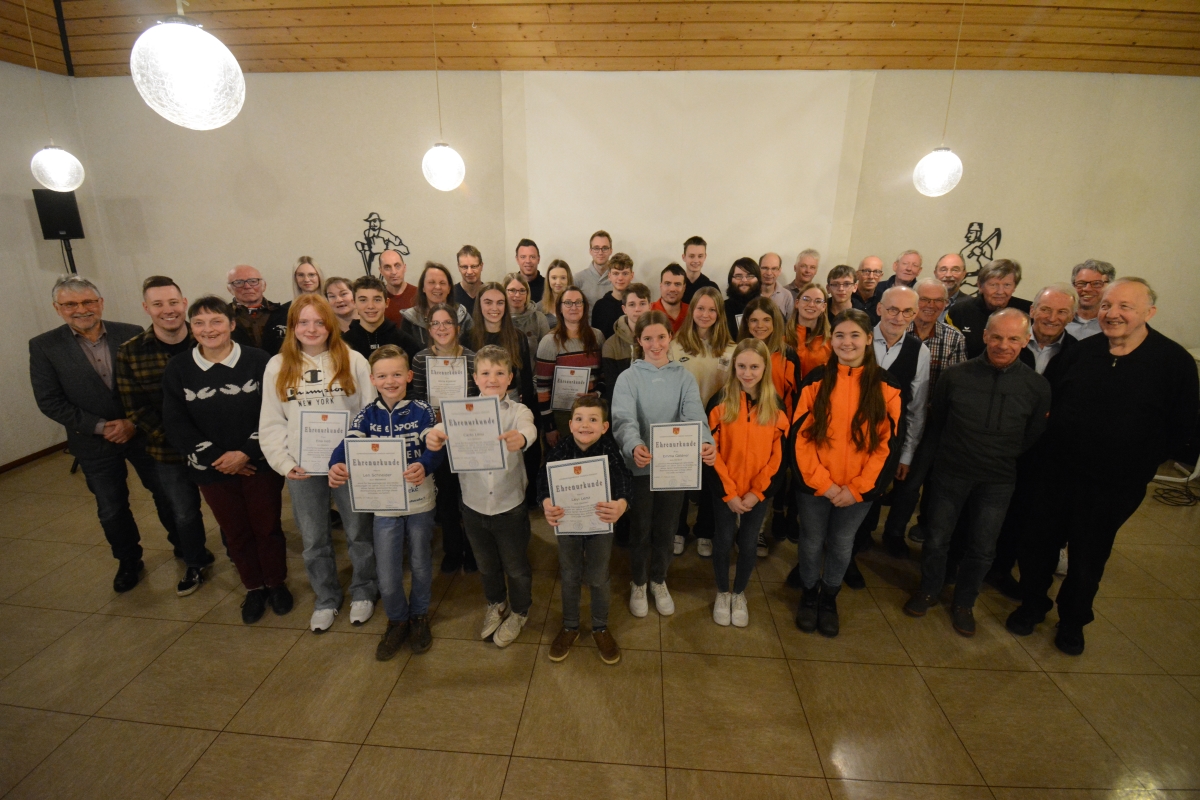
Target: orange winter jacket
811,355
748,454
838,461
784,369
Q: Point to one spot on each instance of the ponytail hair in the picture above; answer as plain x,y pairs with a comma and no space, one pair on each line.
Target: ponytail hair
871,411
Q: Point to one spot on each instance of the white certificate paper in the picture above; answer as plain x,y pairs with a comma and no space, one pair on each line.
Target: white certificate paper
472,428
675,451
377,474
575,487
569,383
320,432
445,379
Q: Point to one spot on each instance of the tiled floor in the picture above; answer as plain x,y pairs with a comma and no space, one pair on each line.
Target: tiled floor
151,695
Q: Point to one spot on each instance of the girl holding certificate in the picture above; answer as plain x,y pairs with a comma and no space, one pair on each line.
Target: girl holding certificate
573,344
846,421
558,278
808,332
526,316
654,390
316,379
452,383
433,287
748,427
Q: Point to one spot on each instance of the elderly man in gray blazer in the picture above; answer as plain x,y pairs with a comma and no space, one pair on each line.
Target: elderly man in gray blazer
73,372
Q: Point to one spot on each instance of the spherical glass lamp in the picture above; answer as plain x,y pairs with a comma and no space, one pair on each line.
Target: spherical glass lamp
443,167
187,75
937,173
57,169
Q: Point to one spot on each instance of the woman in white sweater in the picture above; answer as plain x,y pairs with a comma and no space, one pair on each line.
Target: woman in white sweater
316,372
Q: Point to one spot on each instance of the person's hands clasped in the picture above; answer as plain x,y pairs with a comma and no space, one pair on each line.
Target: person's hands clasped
119,431
233,462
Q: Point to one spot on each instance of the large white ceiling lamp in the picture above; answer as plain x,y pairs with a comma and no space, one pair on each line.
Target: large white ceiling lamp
186,74
940,171
53,167
442,166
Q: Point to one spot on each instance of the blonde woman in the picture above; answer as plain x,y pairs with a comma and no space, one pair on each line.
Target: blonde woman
558,278
307,277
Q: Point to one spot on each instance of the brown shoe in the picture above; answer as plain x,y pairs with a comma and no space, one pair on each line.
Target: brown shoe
610,653
393,639
561,648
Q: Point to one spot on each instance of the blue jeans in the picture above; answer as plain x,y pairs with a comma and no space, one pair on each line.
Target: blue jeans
183,497
107,479
746,532
824,526
985,504
310,505
390,533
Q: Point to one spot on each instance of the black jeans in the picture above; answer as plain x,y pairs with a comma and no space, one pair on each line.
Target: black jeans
985,505
584,559
501,546
184,499
653,519
744,528
449,513
906,494
106,478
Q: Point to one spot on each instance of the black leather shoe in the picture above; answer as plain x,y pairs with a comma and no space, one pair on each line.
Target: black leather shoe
806,613
209,558
1023,620
1069,639
853,577
450,564
280,599
254,606
128,574
419,637
794,580
963,620
1005,584
827,612
895,546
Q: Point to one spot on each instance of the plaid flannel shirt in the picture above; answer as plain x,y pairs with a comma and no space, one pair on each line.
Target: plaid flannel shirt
140,365
947,347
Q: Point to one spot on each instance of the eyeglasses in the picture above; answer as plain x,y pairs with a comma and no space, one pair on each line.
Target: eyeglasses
251,282
907,313
443,323
841,285
878,273
813,301
572,304
1081,285
518,290
931,301
601,249
73,306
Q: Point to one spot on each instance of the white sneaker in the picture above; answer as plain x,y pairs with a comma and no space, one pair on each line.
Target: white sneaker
704,548
740,614
680,543
1061,569
662,599
510,629
322,619
492,619
721,608
762,545
361,611
637,600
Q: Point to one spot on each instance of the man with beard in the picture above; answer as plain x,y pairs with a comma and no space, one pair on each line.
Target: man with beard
1089,279
744,285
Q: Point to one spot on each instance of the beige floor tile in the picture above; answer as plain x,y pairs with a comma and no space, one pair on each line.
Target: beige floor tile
1176,566
83,583
731,705
781,557
47,476
543,547
1016,726
155,596
881,570
1123,578
27,631
1183,521
24,562
543,779
1151,722
106,759
865,634
460,695
460,612
874,722
26,513
229,610
202,679
1007,793
1143,529
1108,650
1166,630
85,667
419,774
328,687
873,790
1191,683
583,709
631,633
236,765
931,641
26,737
686,784
78,526
690,566
691,628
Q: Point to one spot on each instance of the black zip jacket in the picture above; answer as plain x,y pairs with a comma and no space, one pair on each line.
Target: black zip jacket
619,478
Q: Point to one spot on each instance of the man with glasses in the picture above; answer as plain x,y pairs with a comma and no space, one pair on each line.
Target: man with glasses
593,280
695,252
744,280
870,273
260,323
770,266
841,284
528,259
1089,279
997,281
951,271
470,267
73,372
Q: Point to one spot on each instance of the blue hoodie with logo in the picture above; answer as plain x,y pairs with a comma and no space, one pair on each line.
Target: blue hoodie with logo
646,395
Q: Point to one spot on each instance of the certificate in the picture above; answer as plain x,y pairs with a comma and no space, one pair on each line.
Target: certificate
472,428
320,432
569,383
445,379
675,448
575,487
377,474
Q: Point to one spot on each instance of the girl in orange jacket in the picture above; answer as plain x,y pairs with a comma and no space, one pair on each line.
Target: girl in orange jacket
809,329
748,428
845,420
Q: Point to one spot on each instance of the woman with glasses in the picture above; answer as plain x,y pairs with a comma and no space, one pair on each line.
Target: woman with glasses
558,278
809,328
573,344
433,287
525,314
306,277
341,300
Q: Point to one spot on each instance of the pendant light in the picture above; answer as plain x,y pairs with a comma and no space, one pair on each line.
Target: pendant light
940,171
53,167
186,74
442,166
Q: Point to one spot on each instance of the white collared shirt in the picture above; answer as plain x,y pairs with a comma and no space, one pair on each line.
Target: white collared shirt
915,414
1083,328
500,490
1043,355
229,360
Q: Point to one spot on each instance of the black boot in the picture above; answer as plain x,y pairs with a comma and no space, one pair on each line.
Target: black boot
806,614
827,613
853,577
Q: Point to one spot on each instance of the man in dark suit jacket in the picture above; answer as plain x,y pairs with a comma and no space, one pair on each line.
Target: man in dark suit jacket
73,372
997,281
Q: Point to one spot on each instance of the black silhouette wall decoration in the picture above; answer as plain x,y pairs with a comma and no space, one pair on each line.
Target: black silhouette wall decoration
978,251
376,240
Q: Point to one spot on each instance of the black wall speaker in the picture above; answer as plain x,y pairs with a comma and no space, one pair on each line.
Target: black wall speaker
59,214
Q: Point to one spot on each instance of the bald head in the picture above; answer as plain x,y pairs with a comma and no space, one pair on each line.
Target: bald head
1006,335
870,272
246,284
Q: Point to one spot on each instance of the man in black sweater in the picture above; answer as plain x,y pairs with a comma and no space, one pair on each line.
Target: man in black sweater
1124,401
373,329
997,282
985,413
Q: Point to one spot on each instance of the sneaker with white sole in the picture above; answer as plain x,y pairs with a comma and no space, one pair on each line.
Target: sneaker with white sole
662,599
492,619
637,600
361,611
721,608
322,619
680,543
762,545
1061,569
704,548
739,614
192,580
510,629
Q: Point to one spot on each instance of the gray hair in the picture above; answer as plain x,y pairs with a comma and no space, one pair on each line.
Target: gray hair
1000,268
1004,313
908,253
808,251
901,289
930,282
1103,267
73,283
1142,281
1062,288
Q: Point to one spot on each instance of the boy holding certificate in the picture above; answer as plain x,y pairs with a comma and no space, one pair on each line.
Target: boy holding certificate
494,499
583,554
392,416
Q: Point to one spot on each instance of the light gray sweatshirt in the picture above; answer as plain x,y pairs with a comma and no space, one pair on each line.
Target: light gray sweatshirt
647,395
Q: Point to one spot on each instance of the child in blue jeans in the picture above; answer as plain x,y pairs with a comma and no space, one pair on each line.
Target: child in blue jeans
392,416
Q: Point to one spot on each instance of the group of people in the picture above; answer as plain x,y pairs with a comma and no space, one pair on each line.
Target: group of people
818,401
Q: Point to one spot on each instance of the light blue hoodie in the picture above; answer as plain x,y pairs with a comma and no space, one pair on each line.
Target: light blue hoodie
646,395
